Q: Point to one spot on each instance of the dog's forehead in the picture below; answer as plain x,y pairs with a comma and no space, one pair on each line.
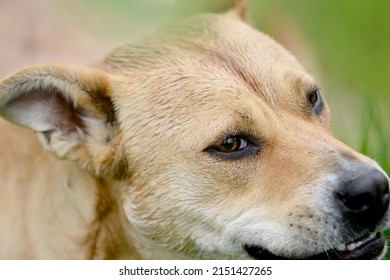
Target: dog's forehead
211,47
211,58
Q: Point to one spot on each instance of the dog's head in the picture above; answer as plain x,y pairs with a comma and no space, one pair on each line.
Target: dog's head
220,141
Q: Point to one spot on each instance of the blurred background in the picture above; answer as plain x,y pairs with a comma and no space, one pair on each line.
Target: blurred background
344,44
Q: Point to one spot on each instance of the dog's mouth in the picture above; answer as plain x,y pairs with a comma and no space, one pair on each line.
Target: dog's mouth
368,247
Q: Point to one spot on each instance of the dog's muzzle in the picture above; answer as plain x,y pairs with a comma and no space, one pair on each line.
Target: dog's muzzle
362,202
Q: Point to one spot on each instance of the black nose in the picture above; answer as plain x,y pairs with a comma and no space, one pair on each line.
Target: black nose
365,198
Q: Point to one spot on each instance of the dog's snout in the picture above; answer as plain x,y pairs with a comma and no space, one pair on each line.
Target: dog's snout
365,198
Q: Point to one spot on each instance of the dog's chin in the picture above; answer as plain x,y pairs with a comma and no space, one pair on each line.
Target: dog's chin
369,247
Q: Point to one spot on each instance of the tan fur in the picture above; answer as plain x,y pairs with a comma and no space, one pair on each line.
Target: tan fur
125,173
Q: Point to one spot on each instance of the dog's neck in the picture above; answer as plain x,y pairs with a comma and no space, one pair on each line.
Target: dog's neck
54,208
60,210
111,240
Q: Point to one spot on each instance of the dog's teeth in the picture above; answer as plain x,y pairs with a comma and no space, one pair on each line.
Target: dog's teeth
341,247
372,236
352,246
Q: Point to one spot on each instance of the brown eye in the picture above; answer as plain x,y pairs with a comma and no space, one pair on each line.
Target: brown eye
231,145
234,148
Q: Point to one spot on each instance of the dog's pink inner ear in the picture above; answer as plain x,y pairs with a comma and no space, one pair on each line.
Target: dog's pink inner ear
43,110
70,109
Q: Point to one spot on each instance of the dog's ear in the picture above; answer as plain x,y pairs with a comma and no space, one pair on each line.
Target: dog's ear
71,110
239,9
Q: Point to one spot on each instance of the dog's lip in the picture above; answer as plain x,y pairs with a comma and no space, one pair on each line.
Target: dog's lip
367,247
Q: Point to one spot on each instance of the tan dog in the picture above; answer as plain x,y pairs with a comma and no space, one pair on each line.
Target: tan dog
204,141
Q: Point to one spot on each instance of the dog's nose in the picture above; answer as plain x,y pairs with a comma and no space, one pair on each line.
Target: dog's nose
365,198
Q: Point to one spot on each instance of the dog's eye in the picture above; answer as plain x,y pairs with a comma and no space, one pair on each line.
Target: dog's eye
231,145
315,101
234,147
313,98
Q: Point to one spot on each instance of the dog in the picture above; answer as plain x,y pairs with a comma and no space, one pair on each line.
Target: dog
206,140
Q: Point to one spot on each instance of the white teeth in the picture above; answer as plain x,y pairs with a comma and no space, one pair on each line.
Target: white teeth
353,246
341,247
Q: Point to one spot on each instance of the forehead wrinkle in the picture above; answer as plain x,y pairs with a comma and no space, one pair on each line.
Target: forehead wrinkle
237,71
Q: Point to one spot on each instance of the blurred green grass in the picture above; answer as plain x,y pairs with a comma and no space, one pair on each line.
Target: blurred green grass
351,43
